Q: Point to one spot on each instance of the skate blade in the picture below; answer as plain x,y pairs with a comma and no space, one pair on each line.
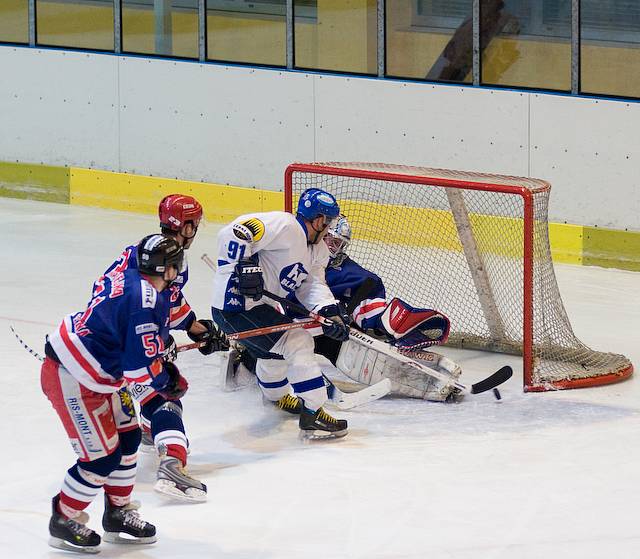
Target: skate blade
318,435
169,489
66,546
127,539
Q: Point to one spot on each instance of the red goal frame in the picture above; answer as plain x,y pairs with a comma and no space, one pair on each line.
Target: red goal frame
527,195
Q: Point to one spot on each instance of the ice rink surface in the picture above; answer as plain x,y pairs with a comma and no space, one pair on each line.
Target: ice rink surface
534,476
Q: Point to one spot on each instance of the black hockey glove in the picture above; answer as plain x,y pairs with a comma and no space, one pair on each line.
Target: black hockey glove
170,352
214,338
177,385
250,282
339,327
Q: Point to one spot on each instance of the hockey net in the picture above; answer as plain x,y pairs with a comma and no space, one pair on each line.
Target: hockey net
474,246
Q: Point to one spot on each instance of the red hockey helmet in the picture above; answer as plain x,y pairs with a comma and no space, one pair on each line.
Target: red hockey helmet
177,209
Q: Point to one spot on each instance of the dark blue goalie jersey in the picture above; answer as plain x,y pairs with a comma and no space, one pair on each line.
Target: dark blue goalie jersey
345,279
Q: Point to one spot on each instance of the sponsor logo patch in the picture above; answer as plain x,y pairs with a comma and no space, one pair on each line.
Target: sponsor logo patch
149,295
325,198
148,327
243,233
255,226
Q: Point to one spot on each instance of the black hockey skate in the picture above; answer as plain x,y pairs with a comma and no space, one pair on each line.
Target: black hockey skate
289,403
175,482
319,424
126,520
71,535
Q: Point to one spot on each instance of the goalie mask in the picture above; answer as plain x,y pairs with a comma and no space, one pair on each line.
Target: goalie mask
337,239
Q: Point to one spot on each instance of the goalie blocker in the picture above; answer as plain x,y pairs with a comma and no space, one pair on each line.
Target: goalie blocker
411,328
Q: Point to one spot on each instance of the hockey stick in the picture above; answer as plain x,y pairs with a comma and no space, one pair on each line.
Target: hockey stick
309,323
342,400
25,346
497,378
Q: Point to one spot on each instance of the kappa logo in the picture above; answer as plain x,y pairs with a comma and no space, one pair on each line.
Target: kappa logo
255,227
234,302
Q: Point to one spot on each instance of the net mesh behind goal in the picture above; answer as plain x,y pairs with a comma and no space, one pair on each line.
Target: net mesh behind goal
476,247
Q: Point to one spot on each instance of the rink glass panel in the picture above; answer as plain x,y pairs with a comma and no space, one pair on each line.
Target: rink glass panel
430,39
80,24
163,28
472,245
252,33
336,35
610,47
14,21
526,43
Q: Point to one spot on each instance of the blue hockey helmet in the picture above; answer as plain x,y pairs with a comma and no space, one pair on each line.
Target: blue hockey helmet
315,202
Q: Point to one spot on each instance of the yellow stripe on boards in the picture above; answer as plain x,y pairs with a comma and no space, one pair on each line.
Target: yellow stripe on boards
141,194
422,227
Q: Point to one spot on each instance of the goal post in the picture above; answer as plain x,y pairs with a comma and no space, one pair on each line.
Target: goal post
474,246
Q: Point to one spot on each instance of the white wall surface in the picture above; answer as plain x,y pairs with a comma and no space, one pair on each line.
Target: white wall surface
242,126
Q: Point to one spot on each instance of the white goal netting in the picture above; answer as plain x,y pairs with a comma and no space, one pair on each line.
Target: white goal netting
475,246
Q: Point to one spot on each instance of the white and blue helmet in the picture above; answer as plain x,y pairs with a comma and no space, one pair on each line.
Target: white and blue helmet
338,238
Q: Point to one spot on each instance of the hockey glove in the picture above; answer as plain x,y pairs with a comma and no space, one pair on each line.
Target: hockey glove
250,282
339,327
170,352
177,385
214,338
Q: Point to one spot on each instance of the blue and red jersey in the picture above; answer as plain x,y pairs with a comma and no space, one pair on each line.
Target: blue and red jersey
181,315
119,337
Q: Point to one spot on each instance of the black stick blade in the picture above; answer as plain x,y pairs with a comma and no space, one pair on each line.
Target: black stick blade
496,379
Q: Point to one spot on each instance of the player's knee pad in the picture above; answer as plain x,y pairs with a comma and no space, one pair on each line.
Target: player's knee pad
130,441
103,466
270,370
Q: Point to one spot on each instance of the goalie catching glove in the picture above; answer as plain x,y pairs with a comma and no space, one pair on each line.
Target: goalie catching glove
339,327
410,328
214,338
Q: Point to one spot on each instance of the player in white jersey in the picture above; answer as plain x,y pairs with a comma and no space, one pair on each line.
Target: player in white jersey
283,254
363,291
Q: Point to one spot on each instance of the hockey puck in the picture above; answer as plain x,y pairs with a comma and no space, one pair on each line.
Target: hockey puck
496,393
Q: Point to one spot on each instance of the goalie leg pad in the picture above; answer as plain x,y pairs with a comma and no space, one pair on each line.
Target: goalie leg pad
367,366
414,328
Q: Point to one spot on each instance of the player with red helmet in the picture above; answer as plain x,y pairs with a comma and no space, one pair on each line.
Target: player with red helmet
163,430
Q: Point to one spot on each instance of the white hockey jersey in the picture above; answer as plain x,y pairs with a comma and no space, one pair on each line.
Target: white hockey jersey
289,264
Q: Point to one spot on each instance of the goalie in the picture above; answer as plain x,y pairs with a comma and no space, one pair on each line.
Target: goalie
409,329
